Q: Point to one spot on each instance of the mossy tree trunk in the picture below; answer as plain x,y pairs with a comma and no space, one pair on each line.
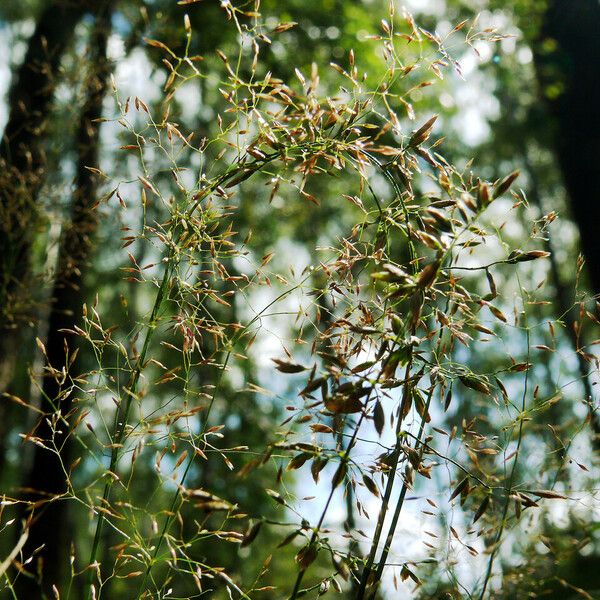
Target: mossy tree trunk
46,479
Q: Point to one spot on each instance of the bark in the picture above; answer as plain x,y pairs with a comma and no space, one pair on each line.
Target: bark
567,58
49,522
565,306
22,165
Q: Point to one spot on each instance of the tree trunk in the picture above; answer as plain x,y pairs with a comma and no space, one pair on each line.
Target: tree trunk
22,165
567,58
49,522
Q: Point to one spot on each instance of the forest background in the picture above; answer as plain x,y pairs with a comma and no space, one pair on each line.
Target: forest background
241,238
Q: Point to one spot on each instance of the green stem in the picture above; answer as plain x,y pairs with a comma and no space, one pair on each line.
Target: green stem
124,415
313,539
346,456
498,538
400,503
387,494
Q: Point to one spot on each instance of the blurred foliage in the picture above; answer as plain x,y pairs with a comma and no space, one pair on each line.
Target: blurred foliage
518,136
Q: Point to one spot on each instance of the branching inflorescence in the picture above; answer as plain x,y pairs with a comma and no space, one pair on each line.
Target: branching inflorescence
374,383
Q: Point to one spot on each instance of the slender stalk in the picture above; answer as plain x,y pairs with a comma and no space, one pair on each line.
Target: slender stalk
188,466
124,415
346,457
400,503
364,580
230,174
387,494
498,537
388,491
313,539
